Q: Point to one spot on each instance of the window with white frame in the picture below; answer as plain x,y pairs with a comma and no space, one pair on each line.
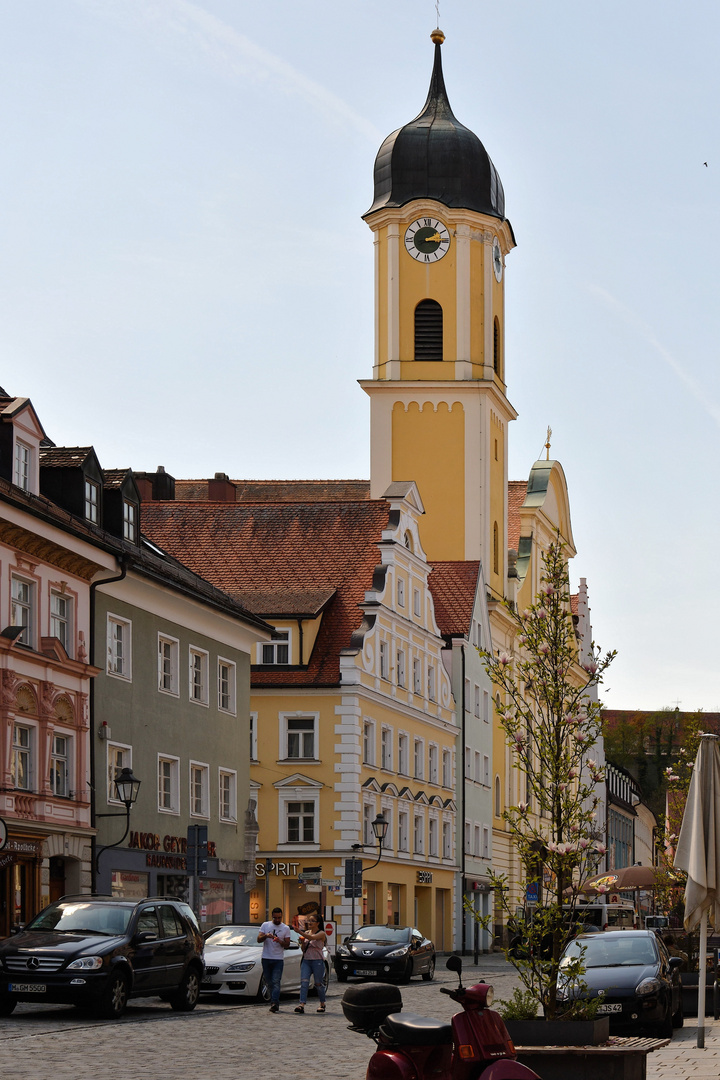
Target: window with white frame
447,768
300,738
60,762
467,694
486,706
418,756
417,675
418,834
477,773
447,840
433,763
384,664
403,838
388,842
400,593
476,840
23,465
119,647
468,763
467,837
198,684
416,603
253,737
168,784
22,609
276,651
403,755
21,762
199,789
227,791
386,741
61,610
92,501
433,837
300,821
431,682
368,742
129,521
477,701
168,665
368,816
119,757
400,671
226,685
486,770
486,842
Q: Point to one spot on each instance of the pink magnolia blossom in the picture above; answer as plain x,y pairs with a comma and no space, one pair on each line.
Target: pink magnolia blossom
544,648
551,845
591,667
522,807
601,848
541,613
504,659
584,843
580,737
602,889
572,774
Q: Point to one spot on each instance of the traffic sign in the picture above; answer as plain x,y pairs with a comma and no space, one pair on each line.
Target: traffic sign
331,882
353,877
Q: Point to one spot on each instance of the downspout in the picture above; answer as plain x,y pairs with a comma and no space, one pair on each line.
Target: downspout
91,704
462,797
300,640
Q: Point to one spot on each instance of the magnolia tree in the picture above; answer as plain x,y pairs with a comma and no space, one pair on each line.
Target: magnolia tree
551,719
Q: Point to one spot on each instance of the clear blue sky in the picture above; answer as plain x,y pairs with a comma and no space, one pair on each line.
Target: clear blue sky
186,279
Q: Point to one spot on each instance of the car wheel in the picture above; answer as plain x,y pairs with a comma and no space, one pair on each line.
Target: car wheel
7,1004
678,1019
114,998
186,996
665,1027
263,993
429,975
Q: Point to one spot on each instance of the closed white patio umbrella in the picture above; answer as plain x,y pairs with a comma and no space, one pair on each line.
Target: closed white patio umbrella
698,853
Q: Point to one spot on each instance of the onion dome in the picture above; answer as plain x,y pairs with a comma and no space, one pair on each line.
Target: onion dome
437,157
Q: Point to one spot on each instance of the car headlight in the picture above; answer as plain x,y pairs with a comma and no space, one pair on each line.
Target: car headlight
342,950
240,967
398,952
648,986
86,963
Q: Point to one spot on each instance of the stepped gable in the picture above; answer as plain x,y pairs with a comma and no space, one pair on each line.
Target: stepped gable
453,586
517,492
304,549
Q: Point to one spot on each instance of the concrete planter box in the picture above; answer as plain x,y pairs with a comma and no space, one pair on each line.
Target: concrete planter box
559,1032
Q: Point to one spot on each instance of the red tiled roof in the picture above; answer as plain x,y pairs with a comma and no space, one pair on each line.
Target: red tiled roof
114,478
62,457
574,597
517,491
453,586
284,548
299,602
280,491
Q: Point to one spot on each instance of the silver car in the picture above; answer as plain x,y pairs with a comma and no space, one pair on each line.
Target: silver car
233,966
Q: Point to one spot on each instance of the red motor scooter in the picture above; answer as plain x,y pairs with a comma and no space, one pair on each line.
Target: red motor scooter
410,1047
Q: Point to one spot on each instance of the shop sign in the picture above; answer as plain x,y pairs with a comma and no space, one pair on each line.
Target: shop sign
171,844
25,847
280,869
166,862
424,877
3,834
6,859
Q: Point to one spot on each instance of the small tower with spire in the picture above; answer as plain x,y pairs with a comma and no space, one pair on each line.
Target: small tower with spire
439,411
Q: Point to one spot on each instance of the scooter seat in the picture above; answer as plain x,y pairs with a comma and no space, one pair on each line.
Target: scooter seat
408,1027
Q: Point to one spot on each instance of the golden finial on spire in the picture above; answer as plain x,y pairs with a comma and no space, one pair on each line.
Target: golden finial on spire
547,443
437,36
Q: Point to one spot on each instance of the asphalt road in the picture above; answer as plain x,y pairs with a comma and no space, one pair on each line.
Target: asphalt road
223,1042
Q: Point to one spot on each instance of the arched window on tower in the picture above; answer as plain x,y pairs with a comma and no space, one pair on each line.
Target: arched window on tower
428,331
496,549
496,348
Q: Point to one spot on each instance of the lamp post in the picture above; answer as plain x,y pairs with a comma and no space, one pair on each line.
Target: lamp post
379,827
127,787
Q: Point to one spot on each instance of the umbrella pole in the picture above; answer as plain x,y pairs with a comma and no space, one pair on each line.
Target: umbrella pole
702,971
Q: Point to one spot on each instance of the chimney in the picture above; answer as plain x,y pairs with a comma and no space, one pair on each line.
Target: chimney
158,486
221,489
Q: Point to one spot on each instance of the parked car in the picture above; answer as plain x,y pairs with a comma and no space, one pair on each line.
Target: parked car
633,974
387,952
233,965
99,951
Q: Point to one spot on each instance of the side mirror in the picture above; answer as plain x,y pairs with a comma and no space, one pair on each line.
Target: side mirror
144,936
675,962
454,963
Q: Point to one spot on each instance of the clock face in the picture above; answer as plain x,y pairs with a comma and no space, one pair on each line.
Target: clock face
497,259
427,240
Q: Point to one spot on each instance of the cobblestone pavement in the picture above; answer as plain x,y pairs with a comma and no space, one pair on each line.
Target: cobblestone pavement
247,1042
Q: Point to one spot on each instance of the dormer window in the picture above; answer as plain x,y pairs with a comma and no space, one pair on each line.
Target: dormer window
92,501
23,464
278,651
129,521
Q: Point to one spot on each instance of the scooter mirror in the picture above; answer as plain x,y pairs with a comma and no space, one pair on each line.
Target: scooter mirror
454,963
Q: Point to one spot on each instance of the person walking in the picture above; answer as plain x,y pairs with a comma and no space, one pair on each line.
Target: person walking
275,938
312,943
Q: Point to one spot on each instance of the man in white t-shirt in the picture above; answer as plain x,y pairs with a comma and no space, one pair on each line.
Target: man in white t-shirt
275,938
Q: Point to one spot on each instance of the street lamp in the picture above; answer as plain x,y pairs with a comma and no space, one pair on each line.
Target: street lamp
127,787
380,827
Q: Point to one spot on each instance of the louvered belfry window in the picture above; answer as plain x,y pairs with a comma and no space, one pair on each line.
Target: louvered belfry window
428,331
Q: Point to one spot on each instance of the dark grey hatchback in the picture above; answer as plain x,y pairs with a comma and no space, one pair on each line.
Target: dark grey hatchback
385,952
98,951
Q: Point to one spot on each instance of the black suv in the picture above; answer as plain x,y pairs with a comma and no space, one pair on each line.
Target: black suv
99,951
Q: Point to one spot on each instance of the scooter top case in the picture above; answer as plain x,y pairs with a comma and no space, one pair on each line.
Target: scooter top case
367,1005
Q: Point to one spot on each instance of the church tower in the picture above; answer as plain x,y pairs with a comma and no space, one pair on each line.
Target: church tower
439,411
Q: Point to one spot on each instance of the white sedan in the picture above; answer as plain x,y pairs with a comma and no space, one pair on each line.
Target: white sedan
233,965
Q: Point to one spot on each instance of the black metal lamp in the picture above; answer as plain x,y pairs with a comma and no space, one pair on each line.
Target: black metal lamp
127,787
380,827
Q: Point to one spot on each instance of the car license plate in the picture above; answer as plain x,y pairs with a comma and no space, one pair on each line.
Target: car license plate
206,982
364,971
27,988
609,1008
